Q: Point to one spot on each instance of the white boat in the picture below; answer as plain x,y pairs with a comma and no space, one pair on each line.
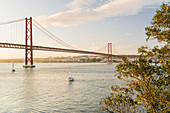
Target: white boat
12,70
70,78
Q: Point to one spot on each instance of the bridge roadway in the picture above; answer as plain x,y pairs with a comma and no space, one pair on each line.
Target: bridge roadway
42,48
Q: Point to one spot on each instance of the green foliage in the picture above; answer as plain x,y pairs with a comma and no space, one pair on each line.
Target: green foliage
160,25
148,78
119,102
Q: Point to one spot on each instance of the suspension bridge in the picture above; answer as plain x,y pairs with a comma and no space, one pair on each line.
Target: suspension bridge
28,45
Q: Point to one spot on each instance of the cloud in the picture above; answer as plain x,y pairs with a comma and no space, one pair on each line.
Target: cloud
128,34
79,4
81,11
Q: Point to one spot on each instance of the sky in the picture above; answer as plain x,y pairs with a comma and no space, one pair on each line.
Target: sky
84,24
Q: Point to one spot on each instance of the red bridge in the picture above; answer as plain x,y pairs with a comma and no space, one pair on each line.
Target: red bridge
28,46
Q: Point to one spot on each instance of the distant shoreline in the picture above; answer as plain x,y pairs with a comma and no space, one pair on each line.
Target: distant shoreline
71,59
54,62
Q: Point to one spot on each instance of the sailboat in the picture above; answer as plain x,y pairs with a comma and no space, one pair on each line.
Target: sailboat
12,70
70,78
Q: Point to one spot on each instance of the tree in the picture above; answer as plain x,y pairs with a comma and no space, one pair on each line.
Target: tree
147,79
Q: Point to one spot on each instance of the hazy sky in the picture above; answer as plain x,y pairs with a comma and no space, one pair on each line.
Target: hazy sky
85,24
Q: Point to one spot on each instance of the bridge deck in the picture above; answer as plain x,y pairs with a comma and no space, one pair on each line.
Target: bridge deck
42,48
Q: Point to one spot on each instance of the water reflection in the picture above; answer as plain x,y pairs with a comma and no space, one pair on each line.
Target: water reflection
29,90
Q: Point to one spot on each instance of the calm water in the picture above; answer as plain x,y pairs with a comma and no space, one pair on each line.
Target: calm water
44,88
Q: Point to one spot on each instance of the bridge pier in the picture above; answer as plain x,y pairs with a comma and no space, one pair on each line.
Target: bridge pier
29,66
28,44
109,61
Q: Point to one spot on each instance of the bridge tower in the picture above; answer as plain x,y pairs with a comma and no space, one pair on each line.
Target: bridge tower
28,44
109,53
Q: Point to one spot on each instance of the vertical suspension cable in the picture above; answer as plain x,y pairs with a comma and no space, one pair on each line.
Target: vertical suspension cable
114,49
15,30
7,34
17,37
12,32
20,32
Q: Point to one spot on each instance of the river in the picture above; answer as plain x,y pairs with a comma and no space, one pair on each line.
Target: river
44,89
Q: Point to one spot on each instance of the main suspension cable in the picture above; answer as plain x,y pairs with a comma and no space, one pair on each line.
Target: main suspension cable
10,22
45,31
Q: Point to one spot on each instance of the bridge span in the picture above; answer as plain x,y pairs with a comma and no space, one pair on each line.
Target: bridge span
53,49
